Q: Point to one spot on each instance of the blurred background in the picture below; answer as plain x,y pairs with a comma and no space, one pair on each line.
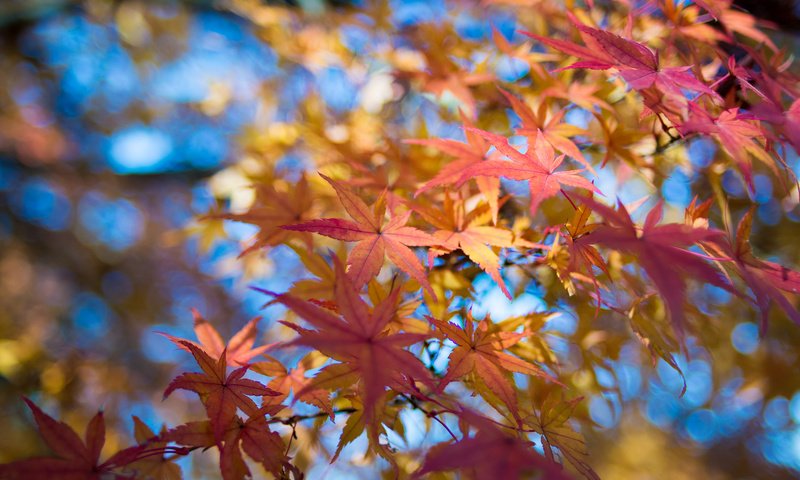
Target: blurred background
120,122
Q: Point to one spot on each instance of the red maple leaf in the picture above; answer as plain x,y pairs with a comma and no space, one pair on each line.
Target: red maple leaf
221,394
75,459
738,134
370,357
660,250
375,238
538,166
490,453
767,280
554,131
253,436
636,63
786,122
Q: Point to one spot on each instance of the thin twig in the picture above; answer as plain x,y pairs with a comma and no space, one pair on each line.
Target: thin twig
429,413
294,419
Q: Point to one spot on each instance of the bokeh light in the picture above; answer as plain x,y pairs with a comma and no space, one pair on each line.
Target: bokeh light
130,123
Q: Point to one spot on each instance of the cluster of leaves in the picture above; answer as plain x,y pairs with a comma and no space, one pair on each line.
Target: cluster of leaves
427,216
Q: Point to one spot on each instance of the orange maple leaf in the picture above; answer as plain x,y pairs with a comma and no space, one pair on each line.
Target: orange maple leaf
239,349
287,380
273,208
466,231
480,351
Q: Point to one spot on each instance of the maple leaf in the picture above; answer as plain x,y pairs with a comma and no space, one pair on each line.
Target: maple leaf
287,380
251,436
192,434
201,435
375,240
468,232
272,209
320,288
582,95
490,453
736,133
743,76
686,20
536,348
254,437
563,264
443,75
369,357
239,349
790,125
523,51
155,466
457,84
466,154
537,166
555,131
583,255
785,122
621,141
357,423
550,421
444,280
479,351
75,459
658,343
208,229
221,394
696,213
636,63
403,319
737,21
396,173
660,251
767,280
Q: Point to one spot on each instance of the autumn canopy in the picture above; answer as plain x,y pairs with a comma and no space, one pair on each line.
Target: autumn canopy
484,240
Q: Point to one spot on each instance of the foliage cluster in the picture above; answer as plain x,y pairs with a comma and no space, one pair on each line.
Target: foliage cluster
399,227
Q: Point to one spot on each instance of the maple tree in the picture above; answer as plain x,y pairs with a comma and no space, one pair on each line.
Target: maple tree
399,220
